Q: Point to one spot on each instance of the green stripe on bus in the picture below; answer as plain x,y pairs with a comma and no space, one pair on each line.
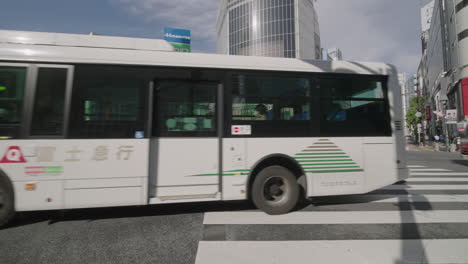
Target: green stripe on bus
329,157
237,170
212,175
54,167
332,171
315,154
339,167
315,161
321,164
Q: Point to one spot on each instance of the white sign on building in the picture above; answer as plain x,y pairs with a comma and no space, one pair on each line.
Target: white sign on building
451,116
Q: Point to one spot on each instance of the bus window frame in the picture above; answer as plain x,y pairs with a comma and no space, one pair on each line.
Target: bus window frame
24,121
313,77
386,99
156,130
32,86
313,101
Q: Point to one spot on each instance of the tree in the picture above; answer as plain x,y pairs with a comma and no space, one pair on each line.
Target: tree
417,104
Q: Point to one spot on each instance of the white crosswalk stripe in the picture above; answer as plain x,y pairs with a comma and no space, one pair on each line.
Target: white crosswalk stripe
417,198
427,170
447,179
422,221
314,218
439,174
427,187
362,251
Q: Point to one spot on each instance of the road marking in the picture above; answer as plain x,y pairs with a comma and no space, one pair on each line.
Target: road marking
442,179
344,251
428,170
350,217
439,174
414,198
426,187
415,166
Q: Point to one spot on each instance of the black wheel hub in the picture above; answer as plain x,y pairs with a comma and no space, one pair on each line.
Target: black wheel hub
274,189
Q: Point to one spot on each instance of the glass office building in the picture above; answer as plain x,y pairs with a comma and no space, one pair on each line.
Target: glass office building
273,28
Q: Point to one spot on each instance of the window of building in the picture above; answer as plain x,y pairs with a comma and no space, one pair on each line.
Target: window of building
49,102
353,107
273,106
109,102
186,108
12,83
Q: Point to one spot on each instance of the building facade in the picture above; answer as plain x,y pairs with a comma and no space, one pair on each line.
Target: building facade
426,18
272,28
443,70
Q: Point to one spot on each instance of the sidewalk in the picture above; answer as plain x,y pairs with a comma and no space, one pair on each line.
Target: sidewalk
413,147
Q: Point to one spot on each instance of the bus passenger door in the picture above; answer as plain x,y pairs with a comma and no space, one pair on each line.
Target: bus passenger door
184,159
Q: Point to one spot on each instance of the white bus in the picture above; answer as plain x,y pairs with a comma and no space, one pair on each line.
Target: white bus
94,121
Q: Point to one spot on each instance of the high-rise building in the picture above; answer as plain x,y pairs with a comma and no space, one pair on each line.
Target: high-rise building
273,28
443,71
334,54
426,18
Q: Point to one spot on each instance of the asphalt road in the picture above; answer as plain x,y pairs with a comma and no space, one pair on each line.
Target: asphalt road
398,220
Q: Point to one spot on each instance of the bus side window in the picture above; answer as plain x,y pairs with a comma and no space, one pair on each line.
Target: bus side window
109,102
272,105
12,83
49,101
354,106
186,108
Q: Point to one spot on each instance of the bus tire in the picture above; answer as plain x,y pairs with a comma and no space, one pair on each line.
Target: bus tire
7,204
275,190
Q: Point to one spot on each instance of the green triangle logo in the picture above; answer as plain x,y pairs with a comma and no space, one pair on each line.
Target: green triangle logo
324,156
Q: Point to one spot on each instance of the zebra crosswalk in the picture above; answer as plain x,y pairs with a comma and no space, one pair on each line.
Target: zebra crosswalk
422,221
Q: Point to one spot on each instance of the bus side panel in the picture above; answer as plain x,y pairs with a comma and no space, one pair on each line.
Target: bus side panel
337,174
47,195
76,173
380,163
235,169
340,171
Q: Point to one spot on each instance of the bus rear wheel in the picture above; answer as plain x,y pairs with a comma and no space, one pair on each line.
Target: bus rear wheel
275,190
7,210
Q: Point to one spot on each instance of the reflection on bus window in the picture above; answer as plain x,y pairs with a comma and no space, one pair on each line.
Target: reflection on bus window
353,106
252,111
49,102
12,81
186,108
108,102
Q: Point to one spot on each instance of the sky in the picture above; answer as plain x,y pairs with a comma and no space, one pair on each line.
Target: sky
365,30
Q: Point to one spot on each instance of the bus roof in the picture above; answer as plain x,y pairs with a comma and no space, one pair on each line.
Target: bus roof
79,40
23,46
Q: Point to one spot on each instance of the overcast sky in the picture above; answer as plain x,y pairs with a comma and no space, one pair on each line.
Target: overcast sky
365,30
